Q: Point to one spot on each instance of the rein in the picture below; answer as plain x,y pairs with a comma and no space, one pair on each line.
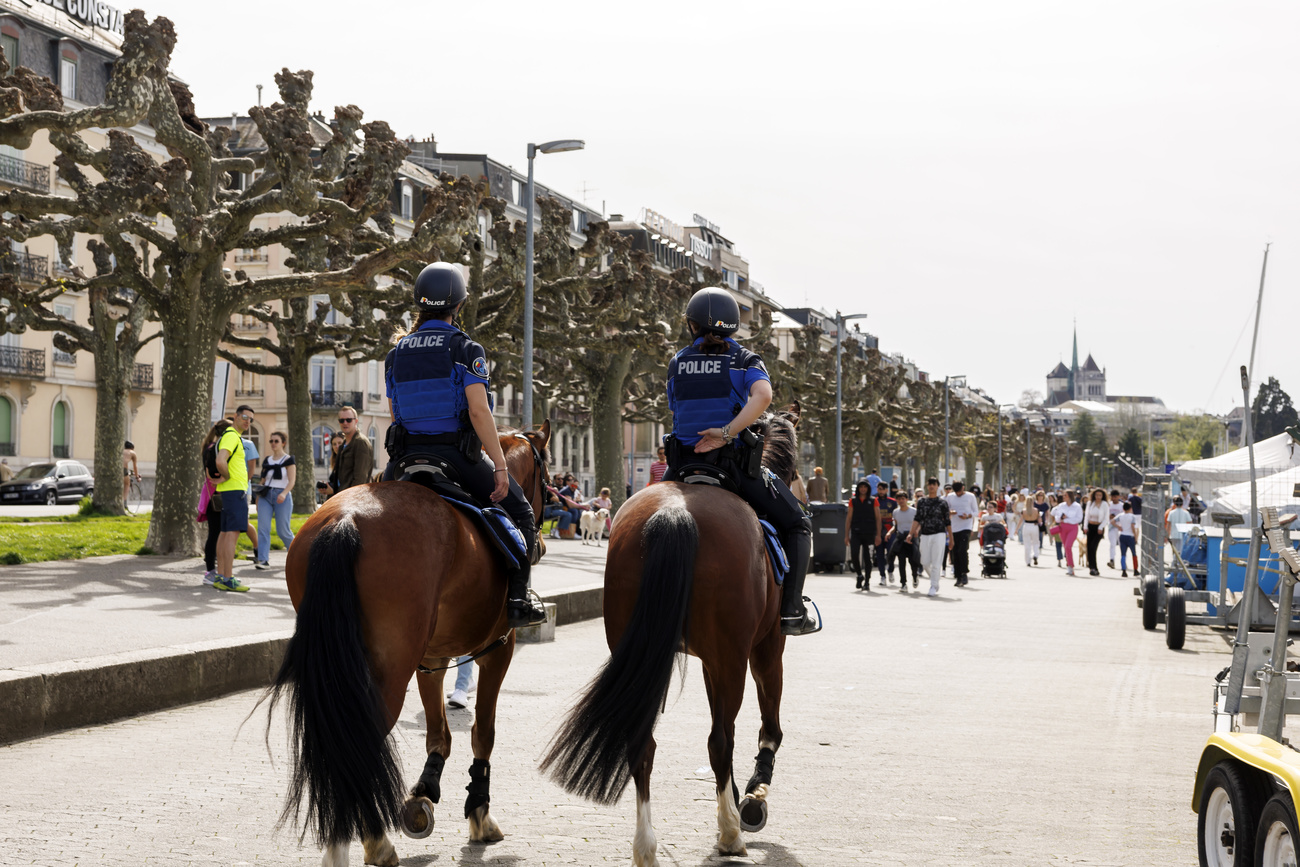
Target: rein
500,642
539,467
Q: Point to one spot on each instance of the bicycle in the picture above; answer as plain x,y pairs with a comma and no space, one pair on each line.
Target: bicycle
135,498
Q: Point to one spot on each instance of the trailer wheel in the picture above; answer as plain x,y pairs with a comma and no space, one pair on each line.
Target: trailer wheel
1276,840
1225,828
1175,618
1150,603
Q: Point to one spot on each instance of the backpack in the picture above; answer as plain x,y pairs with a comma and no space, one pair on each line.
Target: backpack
210,461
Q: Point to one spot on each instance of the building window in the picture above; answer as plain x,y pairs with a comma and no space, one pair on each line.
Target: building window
320,445
68,78
250,383
408,202
59,438
372,380
322,374
318,301
65,311
10,46
6,427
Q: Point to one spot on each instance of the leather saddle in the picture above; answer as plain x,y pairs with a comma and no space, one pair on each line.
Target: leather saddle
700,473
492,521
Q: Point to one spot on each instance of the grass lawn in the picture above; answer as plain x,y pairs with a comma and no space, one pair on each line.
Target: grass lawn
72,537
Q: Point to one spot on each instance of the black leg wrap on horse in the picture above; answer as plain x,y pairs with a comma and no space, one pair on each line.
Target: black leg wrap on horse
430,783
479,772
763,763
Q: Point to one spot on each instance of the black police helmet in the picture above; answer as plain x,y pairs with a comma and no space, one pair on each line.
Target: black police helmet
712,309
440,288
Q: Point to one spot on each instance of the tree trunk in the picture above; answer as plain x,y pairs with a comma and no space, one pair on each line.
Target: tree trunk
607,427
297,396
871,443
112,382
190,342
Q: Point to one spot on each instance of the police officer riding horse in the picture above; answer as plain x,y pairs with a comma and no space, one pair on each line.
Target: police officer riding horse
717,389
437,380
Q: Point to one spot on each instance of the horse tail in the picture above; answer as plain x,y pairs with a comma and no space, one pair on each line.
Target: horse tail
607,733
343,762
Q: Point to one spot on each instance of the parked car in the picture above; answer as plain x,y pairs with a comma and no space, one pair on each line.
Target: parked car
48,484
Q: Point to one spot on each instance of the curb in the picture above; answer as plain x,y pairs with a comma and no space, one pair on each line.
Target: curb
43,699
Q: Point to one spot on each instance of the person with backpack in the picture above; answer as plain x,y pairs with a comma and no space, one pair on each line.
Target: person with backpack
275,497
232,467
210,500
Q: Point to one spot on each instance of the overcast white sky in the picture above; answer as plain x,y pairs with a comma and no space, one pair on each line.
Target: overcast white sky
972,175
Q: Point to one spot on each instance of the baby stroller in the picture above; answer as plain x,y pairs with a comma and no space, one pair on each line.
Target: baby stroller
993,551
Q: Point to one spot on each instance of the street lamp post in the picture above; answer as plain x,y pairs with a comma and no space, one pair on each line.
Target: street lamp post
1002,484
1068,443
840,319
1029,457
1087,466
947,453
550,147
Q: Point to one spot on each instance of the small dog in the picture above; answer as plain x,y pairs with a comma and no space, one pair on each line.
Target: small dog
592,525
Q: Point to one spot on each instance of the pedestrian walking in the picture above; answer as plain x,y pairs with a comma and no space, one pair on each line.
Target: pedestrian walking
6,471
1014,508
1177,515
1112,530
210,500
819,487
873,480
356,456
232,468
1096,518
130,470
275,497
963,511
659,467
1135,500
932,525
885,507
862,529
1068,516
459,695
1126,526
899,547
1051,527
1030,532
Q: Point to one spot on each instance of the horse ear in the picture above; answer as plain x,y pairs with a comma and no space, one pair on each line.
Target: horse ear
541,436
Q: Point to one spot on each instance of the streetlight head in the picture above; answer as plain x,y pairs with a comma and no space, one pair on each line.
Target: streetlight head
561,145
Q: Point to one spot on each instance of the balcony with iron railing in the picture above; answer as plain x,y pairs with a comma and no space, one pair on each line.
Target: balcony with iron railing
142,377
321,399
21,173
7,450
61,451
24,266
252,257
250,392
22,362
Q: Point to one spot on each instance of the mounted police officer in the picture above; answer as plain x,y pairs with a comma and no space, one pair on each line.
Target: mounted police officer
717,389
437,382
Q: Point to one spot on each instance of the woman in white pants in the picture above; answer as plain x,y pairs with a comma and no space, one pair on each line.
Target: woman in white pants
1013,514
1029,535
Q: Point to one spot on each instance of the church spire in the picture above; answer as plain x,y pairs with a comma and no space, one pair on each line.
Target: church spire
1074,362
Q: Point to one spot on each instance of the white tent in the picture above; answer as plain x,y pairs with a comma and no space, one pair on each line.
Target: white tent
1275,490
1273,455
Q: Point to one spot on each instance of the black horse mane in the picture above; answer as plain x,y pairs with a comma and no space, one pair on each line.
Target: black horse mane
780,442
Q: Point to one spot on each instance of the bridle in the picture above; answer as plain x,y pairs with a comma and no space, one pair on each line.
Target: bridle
539,474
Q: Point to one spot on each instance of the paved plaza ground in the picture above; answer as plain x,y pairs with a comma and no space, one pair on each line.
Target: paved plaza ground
1019,722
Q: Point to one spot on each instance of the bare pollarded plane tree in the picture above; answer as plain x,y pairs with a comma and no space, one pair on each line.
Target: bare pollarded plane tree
187,214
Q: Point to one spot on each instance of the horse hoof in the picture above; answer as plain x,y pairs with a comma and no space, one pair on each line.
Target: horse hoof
735,849
753,814
417,818
483,828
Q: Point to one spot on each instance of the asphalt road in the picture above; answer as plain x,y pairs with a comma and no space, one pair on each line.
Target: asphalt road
1021,722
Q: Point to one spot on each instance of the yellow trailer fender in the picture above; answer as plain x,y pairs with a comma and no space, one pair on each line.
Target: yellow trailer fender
1279,762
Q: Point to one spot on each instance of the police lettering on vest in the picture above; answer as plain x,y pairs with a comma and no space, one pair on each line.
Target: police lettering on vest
426,375
707,390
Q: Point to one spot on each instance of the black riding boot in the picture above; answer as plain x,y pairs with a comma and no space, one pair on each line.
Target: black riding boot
521,610
795,619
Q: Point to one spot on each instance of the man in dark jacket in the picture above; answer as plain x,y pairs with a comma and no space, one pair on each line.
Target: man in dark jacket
357,457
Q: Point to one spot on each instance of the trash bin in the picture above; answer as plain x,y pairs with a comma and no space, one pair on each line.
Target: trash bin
828,536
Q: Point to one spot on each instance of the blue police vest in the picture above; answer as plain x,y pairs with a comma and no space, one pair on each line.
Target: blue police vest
426,374
707,390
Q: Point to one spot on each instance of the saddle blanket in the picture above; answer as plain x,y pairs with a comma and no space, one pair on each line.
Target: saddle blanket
780,565
496,526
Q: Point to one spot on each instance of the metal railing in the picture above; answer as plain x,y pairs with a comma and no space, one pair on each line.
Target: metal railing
374,395
24,362
251,256
7,449
249,323
24,265
336,398
61,357
22,173
142,377
249,392
61,451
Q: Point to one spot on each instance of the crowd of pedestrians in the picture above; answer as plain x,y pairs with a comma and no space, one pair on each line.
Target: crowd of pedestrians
931,531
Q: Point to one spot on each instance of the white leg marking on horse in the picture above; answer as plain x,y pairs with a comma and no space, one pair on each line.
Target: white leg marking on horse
336,855
729,842
643,844
380,852
483,828
766,743
759,793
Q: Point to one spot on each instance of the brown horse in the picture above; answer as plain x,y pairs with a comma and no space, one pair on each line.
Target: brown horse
388,578
666,594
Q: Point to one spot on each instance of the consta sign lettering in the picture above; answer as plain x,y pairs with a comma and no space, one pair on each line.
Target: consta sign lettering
92,12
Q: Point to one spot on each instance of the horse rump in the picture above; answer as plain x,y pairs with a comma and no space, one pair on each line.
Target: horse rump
607,732
342,757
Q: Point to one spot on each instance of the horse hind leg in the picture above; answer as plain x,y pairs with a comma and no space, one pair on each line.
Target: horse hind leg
379,852
482,827
644,844
766,665
491,674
